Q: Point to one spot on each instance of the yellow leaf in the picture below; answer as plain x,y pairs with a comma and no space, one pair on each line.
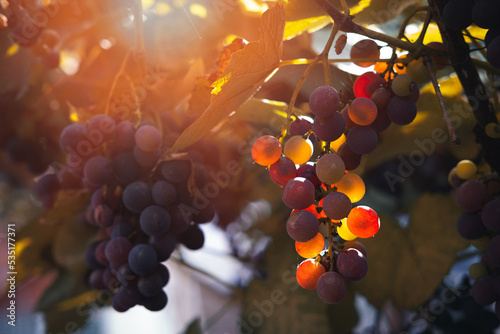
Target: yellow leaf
294,28
247,70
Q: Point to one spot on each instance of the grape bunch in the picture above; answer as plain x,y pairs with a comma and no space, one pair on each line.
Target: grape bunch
321,189
477,195
141,204
459,14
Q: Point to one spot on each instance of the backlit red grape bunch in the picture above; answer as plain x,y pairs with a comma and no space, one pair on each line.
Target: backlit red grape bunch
477,195
140,202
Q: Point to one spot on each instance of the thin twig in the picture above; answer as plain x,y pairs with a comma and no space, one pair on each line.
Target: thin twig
304,61
118,76
454,139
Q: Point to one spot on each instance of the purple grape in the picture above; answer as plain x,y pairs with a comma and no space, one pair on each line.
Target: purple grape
483,291
298,193
137,196
337,205
146,159
324,101
103,216
165,274
46,190
142,259
155,303
302,226
176,171
95,280
351,159
125,134
72,138
193,237
331,287
150,285
164,193
282,171
117,250
348,121
127,296
401,110
300,126
148,138
382,122
490,215
329,128
457,15
98,170
362,139
472,195
469,226
100,253
101,126
163,245
493,52
485,14
123,229
126,168
155,220
126,276
308,171
355,244
491,35
352,264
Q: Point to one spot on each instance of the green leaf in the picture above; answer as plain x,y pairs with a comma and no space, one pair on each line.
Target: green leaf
407,265
279,305
310,25
247,70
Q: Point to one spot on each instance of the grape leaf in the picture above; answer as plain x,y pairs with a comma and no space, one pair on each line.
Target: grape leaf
246,72
279,305
310,24
407,265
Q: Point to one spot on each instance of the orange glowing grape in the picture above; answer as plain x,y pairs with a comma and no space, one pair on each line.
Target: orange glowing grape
310,248
344,232
353,186
363,222
362,111
298,149
334,145
266,150
314,210
308,274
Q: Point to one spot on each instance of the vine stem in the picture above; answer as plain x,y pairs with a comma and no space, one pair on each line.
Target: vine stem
454,139
326,51
140,52
303,61
347,25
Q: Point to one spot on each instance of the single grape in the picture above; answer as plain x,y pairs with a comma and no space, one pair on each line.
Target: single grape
103,216
352,264
362,139
355,244
366,84
164,245
175,171
466,170
365,48
329,128
490,215
362,111
401,110
380,97
308,274
72,139
485,14
298,193
150,285
127,296
351,159
117,250
148,138
155,220
308,171
302,226
469,225
125,134
282,171
126,276
266,150
95,279
348,121
330,168
49,37
453,178
193,238
298,149
137,196
100,253
403,85
125,168
493,52
164,273
324,101
457,15
146,159
142,259
472,195
331,287
310,248
98,170
337,205
363,222
155,303
483,291
101,127
46,190
344,233
300,126
352,185
163,193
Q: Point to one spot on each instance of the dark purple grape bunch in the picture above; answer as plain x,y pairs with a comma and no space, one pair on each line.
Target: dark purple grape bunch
477,196
141,205
459,14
